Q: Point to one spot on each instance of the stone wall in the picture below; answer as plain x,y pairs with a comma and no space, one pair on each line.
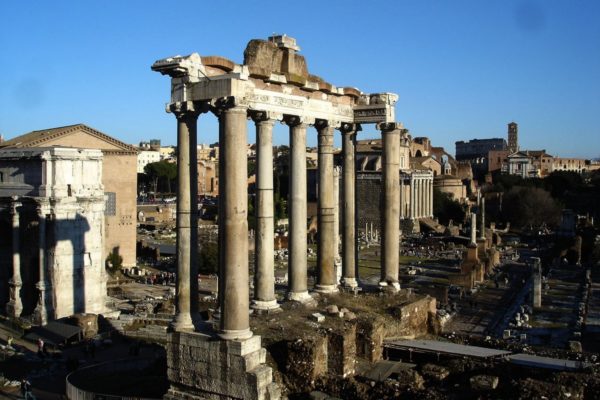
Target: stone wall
369,337
412,319
307,358
202,367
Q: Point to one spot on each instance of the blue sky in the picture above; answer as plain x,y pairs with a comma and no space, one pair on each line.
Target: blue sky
462,69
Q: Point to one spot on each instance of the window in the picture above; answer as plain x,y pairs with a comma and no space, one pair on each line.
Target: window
111,204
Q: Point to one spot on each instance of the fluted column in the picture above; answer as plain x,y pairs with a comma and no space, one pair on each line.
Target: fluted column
15,306
326,280
264,275
349,254
412,196
401,197
187,280
233,216
391,200
44,308
419,197
431,198
297,266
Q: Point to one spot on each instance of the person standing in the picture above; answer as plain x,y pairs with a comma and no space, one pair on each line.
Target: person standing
26,390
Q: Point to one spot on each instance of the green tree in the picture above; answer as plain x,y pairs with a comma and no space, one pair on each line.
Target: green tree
530,206
445,208
161,170
208,258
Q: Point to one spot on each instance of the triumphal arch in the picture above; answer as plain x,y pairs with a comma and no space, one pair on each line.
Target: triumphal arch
272,85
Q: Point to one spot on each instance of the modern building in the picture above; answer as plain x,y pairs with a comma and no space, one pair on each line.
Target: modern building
119,180
146,157
52,228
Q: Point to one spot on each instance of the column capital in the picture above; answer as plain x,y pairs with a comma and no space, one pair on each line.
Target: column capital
347,128
260,117
42,209
296,120
13,207
391,126
187,109
324,123
229,103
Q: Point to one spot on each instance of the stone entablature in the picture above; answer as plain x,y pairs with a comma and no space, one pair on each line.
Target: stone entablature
50,172
262,83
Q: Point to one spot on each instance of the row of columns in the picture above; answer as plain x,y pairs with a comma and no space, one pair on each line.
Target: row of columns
233,227
14,307
421,200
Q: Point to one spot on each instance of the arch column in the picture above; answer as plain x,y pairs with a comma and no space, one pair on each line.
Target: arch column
297,266
15,305
187,222
391,200
326,278
43,310
264,276
349,254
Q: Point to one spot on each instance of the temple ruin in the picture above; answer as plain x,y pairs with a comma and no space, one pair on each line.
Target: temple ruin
273,84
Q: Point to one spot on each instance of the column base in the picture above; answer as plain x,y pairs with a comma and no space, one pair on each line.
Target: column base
349,283
240,334
324,289
13,309
201,367
389,286
269,306
301,297
183,323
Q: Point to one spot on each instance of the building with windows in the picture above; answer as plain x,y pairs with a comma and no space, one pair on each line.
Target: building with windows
119,180
146,157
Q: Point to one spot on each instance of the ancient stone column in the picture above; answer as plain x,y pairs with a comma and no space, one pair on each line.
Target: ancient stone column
473,229
390,242
349,254
264,275
187,116
233,214
419,185
482,233
412,196
537,282
402,200
297,266
43,309
431,198
15,306
326,282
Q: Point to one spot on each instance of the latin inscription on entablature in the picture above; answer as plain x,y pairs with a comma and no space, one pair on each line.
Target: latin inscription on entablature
373,115
274,100
296,105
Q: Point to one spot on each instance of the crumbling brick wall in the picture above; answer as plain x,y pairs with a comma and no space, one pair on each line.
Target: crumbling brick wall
307,358
369,337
